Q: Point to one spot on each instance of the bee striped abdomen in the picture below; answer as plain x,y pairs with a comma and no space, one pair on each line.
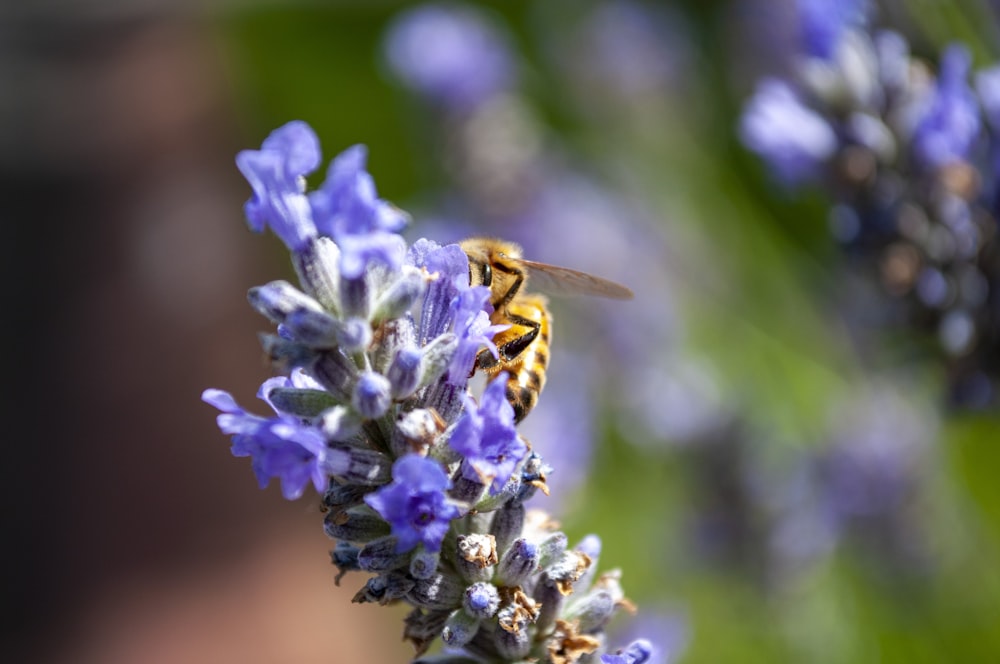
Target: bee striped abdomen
524,346
527,368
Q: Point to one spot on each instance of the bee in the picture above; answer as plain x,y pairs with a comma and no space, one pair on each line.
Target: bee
524,346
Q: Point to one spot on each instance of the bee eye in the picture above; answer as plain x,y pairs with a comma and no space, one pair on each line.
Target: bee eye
487,274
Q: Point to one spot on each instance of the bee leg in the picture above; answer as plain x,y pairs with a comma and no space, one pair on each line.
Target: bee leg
512,349
514,287
517,345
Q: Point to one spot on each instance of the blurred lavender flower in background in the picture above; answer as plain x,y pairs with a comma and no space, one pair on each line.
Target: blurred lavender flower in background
794,156
617,58
670,629
449,54
823,23
949,122
866,486
910,164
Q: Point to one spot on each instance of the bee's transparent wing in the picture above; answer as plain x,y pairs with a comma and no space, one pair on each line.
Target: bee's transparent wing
558,280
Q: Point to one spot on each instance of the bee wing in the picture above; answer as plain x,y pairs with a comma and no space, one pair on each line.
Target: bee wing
558,280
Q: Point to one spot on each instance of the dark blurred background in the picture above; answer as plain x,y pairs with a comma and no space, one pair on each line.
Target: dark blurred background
731,389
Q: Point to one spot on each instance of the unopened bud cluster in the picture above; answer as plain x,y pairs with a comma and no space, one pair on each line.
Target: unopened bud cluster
423,484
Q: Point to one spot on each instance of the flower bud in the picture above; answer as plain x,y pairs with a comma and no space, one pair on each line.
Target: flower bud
513,639
385,588
404,372
339,497
371,395
459,629
567,570
424,563
355,525
466,490
551,600
507,524
437,592
481,600
422,627
416,431
437,355
518,563
345,558
532,477
354,335
287,353
364,466
339,424
397,299
593,611
590,545
279,299
551,548
355,297
300,402
336,373
477,554
380,555
317,265
316,329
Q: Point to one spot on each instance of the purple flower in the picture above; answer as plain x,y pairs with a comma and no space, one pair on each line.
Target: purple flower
638,652
793,139
281,447
988,87
471,324
486,437
876,457
451,55
949,124
348,209
275,172
667,626
451,267
414,503
822,24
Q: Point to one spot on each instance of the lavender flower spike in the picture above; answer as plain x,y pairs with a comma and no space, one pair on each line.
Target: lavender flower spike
378,416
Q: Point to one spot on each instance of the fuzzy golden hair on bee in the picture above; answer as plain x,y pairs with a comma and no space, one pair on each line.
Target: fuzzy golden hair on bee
524,346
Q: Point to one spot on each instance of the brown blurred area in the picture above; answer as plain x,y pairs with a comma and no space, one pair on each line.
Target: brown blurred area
130,533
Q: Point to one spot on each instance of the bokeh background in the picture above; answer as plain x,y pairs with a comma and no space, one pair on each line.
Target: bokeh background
783,469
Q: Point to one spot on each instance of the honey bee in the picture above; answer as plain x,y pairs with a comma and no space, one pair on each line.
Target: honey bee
524,346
